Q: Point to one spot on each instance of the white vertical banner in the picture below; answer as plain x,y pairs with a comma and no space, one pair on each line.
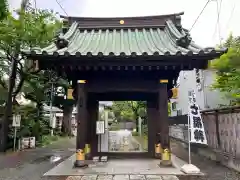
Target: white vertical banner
53,120
100,129
140,126
16,121
197,131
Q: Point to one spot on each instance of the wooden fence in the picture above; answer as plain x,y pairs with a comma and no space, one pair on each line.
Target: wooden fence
222,127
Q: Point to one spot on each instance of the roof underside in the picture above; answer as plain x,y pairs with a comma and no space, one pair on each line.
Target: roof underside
167,40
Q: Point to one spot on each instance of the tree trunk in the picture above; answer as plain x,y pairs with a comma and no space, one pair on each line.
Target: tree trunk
67,119
137,125
136,116
4,126
8,108
37,131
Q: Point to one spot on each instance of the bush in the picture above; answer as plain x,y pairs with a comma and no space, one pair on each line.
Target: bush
134,133
47,139
114,127
145,130
33,124
53,138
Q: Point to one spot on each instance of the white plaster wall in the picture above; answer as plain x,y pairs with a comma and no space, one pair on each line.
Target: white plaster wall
206,98
213,98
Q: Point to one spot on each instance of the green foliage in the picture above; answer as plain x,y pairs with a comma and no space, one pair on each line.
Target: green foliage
32,28
3,9
145,130
134,133
47,139
31,125
37,87
228,70
128,110
114,126
131,110
169,108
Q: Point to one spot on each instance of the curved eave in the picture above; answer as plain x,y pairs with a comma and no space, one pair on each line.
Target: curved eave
211,54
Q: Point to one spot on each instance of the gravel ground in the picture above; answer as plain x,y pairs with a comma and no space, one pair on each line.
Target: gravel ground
212,170
31,165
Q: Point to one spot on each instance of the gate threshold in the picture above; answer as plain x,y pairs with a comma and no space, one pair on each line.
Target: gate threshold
119,167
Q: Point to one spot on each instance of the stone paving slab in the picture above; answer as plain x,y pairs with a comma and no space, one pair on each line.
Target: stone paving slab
120,177
119,167
123,177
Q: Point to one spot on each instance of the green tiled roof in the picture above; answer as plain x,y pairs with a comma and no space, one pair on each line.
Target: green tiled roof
158,41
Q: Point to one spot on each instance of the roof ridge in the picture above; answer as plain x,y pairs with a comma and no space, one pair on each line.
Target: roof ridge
121,17
120,23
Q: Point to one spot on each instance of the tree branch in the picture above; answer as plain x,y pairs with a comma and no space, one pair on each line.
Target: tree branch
133,108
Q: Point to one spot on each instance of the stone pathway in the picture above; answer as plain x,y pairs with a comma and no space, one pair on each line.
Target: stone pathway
119,142
123,177
32,164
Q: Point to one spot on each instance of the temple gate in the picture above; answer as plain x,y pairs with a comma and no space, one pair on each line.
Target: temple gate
132,58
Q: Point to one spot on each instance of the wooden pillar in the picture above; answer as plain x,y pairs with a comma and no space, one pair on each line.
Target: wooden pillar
94,136
89,128
150,122
217,129
163,113
153,126
81,123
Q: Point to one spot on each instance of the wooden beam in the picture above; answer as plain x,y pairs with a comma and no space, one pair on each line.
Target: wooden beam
124,96
121,85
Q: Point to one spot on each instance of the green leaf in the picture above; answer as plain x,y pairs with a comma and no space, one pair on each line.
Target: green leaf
228,70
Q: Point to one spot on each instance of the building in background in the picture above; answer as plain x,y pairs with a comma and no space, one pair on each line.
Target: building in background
200,81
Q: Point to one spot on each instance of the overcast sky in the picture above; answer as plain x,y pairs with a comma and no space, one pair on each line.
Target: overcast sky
202,33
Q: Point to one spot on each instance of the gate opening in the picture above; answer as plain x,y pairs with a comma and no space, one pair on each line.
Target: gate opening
126,128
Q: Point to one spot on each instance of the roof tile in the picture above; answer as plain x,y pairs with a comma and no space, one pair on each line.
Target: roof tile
126,42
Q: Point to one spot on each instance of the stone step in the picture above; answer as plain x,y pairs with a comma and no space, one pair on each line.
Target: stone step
96,159
104,159
100,159
123,177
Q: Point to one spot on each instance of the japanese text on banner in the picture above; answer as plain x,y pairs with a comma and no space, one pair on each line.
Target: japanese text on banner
197,132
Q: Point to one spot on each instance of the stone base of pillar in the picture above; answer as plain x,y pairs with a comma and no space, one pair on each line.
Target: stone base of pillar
158,151
87,152
80,159
158,156
166,158
88,156
165,163
80,164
